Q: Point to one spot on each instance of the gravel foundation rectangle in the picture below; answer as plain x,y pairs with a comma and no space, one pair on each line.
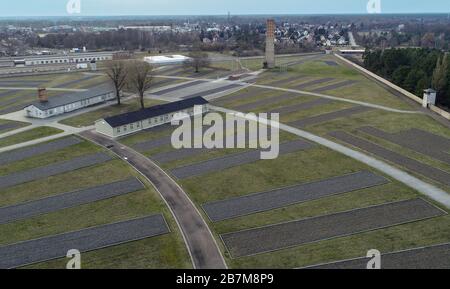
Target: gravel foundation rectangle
53,247
68,200
260,202
296,233
51,170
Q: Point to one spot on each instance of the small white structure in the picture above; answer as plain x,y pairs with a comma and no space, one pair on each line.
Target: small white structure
132,122
429,97
352,51
82,66
163,60
45,108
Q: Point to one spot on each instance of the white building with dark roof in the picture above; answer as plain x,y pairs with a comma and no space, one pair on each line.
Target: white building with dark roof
132,122
45,108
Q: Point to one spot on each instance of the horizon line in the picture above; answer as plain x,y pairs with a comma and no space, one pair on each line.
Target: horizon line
250,14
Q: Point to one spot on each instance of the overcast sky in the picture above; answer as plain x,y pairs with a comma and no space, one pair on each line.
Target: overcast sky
215,7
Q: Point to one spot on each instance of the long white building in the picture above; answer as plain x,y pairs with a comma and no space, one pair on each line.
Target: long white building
136,121
72,58
67,103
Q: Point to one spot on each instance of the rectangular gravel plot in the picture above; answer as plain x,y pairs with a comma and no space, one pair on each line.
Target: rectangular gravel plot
10,125
12,109
5,93
433,257
234,160
330,116
72,82
420,141
260,202
25,153
51,170
313,82
212,91
410,164
179,87
184,153
335,86
301,106
68,200
263,102
180,154
296,233
149,145
284,81
331,63
254,91
53,247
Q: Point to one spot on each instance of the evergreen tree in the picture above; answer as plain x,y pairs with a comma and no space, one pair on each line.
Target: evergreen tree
439,81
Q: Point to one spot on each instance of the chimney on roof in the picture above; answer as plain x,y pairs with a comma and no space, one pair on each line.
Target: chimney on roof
42,95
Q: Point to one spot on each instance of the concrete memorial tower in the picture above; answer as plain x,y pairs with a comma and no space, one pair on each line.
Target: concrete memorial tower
270,44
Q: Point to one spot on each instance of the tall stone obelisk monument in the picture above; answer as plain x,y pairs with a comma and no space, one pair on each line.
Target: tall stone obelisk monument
270,43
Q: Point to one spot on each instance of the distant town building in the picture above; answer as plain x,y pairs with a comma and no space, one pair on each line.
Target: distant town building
48,107
147,28
352,51
133,122
74,58
163,60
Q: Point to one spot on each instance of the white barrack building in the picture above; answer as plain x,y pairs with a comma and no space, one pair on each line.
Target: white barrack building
163,60
67,103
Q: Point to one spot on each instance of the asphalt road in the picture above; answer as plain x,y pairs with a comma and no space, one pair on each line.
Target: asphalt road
201,244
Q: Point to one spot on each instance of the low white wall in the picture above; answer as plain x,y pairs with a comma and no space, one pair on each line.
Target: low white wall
440,111
381,79
408,94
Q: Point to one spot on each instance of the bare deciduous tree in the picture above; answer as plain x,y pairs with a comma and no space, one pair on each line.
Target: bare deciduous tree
117,72
198,60
140,78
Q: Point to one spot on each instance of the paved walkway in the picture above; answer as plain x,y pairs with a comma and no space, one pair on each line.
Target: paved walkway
34,142
427,189
244,84
362,103
200,242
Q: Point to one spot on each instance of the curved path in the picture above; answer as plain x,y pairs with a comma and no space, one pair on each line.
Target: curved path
335,98
427,189
200,242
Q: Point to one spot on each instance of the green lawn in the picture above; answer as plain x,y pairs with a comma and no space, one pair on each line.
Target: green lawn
166,251
302,167
29,135
18,125
311,165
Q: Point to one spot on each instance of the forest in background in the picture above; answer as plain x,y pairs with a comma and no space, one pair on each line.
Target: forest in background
413,69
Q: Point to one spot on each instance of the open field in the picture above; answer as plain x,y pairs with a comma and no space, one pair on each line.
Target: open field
35,133
164,251
300,168
282,213
14,100
288,170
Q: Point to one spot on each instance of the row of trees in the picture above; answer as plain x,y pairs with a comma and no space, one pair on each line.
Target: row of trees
413,69
137,75
114,40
